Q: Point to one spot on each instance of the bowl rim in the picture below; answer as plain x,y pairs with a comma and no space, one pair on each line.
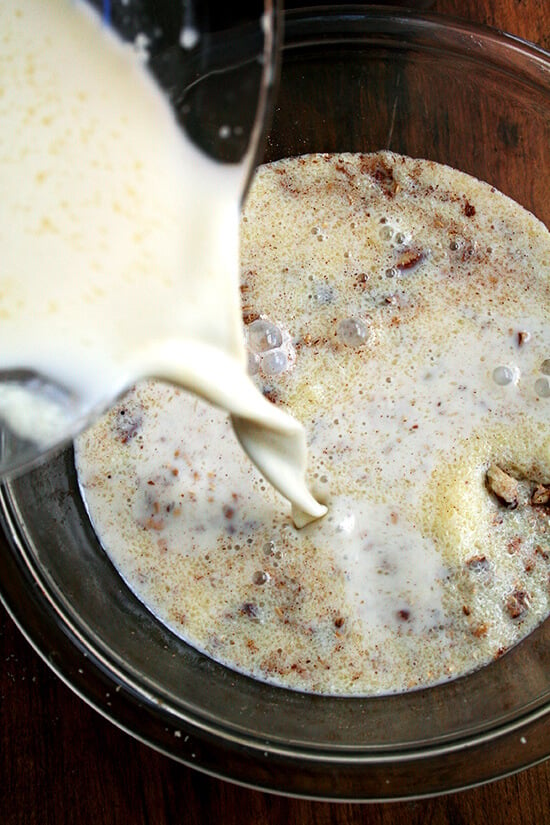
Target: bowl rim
54,636
392,18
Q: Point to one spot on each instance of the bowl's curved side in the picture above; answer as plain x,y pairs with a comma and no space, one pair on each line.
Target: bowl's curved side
410,775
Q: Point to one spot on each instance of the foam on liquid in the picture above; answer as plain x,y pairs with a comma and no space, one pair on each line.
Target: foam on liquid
119,241
383,297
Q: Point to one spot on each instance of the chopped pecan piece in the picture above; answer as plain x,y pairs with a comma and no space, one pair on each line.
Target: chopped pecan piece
249,609
381,172
410,259
249,316
502,485
541,495
517,603
540,552
478,564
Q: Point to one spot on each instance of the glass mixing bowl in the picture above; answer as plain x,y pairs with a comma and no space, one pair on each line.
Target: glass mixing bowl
353,79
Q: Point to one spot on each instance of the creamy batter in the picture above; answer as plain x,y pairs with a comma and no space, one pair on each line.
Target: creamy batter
399,309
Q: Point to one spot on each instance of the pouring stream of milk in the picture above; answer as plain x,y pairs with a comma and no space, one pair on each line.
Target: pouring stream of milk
119,241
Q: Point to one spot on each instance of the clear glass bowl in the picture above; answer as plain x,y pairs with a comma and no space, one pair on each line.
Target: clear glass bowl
353,79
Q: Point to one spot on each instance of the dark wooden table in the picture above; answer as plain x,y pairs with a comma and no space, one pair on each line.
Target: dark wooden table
60,762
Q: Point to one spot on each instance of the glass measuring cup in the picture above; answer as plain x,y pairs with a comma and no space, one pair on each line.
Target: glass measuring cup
214,63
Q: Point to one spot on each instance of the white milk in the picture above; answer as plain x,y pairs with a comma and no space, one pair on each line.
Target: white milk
119,242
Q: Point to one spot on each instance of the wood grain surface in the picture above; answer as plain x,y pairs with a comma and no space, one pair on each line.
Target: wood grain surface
61,763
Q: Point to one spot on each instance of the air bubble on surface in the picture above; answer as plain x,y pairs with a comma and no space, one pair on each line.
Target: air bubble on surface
274,362
253,363
260,577
352,332
545,367
269,548
386,232
542,387
503,376
263,335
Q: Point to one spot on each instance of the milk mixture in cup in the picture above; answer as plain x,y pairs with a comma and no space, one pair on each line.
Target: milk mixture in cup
399,309
119,242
